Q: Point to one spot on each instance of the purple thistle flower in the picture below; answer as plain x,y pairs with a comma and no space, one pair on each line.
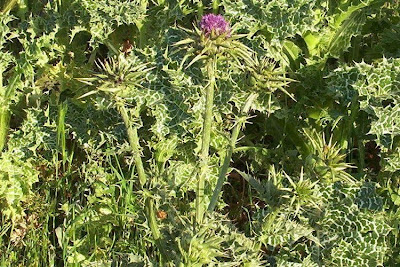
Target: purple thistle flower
215,25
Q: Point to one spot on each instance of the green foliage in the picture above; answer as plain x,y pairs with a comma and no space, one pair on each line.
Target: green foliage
109,140
102,17
18,169
17,178
377,89
363,239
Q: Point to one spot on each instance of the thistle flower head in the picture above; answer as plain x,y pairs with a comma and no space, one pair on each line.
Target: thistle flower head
214,25
263,74
214,37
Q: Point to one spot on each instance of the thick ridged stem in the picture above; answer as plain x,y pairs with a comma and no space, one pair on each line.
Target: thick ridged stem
4,125
61,139
3,118
134,143
151,217
205,141
142,33
4,113
8,6
149,203
229,152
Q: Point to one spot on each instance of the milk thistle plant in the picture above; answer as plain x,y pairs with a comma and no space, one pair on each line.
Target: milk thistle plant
214,157
119,76
212,42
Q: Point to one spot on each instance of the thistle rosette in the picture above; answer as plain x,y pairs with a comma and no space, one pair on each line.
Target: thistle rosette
214,38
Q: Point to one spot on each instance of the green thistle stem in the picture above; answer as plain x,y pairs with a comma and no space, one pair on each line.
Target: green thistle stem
4,118
205,145
4,126
5,113
149,206
61,139
229,152
142,33
9,6
134,143
149,203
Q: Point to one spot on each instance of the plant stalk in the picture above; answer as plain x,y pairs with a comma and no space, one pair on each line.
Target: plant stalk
149,203
205,141
5,114
149,206
229,152
134,143
9,6
4,118
4,126
61,139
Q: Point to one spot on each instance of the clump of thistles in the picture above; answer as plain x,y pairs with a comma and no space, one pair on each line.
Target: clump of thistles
214,26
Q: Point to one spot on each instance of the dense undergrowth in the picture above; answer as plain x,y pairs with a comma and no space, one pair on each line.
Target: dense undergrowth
133,135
